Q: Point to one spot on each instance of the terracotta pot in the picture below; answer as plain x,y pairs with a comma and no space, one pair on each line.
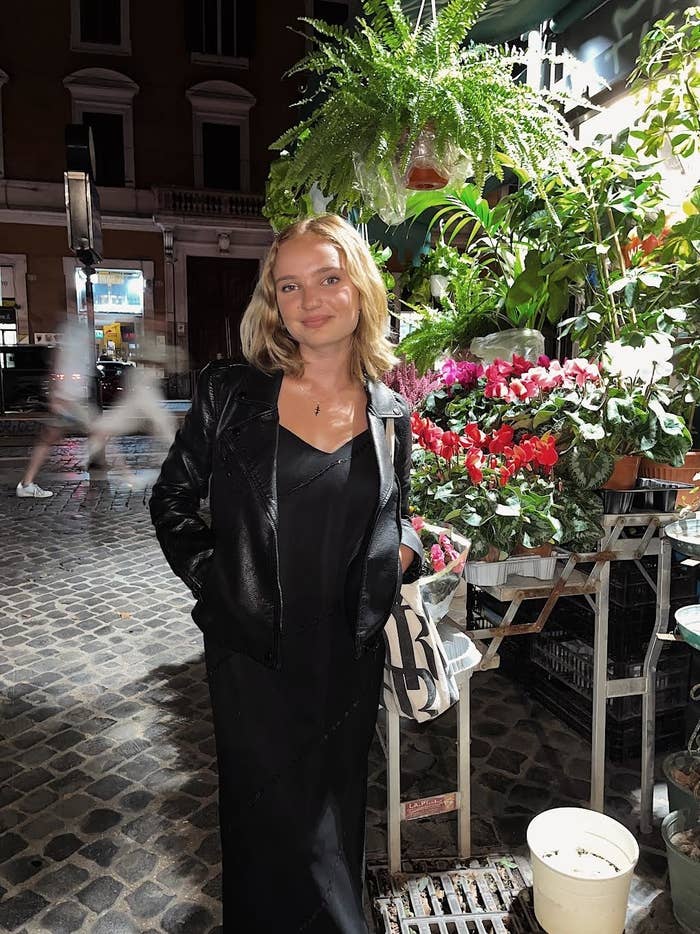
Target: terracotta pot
493,554
624,474
423,171
424,178
542,551
682,474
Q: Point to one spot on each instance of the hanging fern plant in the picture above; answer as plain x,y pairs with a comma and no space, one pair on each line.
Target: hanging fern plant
379,86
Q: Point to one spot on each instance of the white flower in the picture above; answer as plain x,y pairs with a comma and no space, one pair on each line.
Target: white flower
438,286
651,361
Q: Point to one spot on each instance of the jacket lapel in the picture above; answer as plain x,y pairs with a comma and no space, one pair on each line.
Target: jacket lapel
382,405
248,431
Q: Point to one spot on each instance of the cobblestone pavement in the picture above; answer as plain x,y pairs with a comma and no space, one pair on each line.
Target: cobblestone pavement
108,815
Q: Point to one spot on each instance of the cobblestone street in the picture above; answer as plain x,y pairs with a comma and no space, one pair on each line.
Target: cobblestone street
108,814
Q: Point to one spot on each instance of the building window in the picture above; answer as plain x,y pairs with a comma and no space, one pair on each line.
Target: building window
221,156
108,138
220,31
103,100
221,135
14,320
100,26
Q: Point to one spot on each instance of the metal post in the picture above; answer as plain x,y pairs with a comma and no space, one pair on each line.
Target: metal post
90,305
464,840
393,788
600,678
663,587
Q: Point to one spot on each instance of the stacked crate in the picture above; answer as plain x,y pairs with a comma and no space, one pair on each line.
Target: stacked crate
556,665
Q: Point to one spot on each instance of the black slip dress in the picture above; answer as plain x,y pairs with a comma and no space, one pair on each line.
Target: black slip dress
293,744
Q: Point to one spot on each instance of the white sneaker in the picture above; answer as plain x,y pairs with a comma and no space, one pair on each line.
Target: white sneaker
33,491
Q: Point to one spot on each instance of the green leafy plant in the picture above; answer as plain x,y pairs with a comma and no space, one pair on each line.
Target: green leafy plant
667,69
378,87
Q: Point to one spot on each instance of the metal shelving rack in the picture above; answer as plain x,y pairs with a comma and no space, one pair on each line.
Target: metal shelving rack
615,545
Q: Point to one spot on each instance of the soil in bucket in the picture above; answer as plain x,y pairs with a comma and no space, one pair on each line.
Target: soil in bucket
681,833
582,865
682,771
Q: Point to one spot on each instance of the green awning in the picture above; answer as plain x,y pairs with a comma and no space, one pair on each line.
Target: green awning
504,20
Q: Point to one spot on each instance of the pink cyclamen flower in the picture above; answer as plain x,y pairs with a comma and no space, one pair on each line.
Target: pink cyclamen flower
417,522
448,547
449,372
437,558
581,371
497,388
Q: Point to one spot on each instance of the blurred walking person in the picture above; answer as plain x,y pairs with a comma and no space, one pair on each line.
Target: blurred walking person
140,409
70,408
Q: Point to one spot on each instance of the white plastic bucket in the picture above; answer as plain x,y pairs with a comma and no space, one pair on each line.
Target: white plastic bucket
582,865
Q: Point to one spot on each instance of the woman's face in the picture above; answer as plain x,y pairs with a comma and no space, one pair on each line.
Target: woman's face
319,305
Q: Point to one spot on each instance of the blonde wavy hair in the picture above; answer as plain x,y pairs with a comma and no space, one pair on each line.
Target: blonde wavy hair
265,342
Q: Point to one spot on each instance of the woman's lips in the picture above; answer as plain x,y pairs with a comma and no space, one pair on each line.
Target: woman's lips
316,322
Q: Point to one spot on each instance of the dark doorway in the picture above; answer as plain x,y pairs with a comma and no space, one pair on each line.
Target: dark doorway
218,292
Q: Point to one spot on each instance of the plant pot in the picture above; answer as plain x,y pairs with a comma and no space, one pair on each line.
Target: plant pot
424,171
681,795
684,872
486,573
624,473
582,864
682,474
542,551
532,566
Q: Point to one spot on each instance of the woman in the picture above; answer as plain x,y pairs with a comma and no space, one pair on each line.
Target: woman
297,574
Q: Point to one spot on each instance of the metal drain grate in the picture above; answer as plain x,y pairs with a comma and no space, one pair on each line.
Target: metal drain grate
478,896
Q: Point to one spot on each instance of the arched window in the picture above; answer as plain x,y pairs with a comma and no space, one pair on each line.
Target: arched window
103,100
221,135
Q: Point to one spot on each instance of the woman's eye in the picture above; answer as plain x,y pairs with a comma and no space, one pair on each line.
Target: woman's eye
333,279
288,287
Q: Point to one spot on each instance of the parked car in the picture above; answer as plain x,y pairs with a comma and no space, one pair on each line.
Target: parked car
25,377
112,380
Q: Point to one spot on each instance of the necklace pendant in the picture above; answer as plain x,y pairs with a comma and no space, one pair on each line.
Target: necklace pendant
317,409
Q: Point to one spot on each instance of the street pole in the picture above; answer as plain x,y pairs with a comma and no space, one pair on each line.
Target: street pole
90,304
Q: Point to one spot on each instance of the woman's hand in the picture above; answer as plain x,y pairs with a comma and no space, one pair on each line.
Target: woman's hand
407,555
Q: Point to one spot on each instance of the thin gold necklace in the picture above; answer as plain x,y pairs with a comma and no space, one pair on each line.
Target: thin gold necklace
317,402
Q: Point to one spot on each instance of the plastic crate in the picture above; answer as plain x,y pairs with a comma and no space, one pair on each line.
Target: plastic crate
629,588
570,659
623,738
629,630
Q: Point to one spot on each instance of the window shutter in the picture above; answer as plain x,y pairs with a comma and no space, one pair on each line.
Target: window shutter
194,35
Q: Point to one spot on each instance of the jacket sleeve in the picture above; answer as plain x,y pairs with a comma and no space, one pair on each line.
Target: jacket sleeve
186,539
402,467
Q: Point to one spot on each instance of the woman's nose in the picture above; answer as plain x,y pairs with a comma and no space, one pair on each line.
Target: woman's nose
309,298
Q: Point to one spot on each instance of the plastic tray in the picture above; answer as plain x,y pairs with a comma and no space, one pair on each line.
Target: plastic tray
648,495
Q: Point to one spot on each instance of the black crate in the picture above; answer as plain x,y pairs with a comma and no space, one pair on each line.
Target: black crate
648,495
623,738
629,587
629,630
569,659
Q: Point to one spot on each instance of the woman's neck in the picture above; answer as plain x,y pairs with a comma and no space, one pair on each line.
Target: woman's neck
331,372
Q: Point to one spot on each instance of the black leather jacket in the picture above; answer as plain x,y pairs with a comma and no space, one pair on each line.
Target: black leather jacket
227,446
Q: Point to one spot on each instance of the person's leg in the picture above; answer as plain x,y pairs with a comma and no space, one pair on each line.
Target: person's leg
27,487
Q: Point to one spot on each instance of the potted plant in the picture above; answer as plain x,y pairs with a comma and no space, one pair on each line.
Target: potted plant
495,488
597,416
383,86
